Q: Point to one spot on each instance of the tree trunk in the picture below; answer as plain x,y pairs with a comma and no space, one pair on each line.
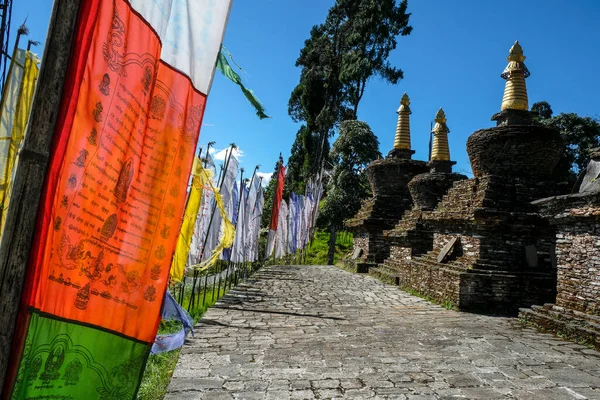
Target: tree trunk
31,169
331,254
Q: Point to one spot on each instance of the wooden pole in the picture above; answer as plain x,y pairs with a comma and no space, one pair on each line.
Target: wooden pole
31,170
6,9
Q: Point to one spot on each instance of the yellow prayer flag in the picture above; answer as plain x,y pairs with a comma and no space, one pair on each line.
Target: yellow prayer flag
226,240
15,109
189,218
201,179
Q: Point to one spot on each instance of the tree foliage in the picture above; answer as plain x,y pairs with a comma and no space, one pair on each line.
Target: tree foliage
580,134
355,148
303,157
337,60
543,109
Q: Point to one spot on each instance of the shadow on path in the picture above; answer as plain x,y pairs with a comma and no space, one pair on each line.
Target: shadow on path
279,312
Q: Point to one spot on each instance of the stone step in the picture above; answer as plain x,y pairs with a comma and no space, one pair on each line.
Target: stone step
431,260
478,267
391,264
387,268
568,323
506,268
448,267
390,269
567,314
384,275
497,264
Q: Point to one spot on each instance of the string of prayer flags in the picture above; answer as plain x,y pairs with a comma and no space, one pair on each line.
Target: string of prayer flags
114,197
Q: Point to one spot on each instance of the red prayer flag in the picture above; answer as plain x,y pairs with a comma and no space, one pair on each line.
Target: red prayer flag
277,197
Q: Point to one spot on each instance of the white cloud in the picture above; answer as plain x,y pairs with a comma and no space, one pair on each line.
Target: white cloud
219,155
266,177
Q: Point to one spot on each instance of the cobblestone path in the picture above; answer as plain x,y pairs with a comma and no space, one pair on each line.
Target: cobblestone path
320,332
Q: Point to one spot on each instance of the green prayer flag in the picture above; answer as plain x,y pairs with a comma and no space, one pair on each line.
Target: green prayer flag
224,67
100,365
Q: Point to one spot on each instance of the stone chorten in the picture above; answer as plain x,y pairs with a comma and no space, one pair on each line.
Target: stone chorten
389,179
428,189
411,237
491,251
517,148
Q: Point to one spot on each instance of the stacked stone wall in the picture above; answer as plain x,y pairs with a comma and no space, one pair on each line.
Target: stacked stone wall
504,293
442,284
578,253
466,250
399,254
576,312
515,151
379,247
361,240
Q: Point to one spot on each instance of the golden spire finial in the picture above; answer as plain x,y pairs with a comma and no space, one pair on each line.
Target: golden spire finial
515,91
440,116
516,53
405,100
402,139
440,150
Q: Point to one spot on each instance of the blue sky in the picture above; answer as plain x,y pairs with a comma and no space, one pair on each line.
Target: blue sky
452,59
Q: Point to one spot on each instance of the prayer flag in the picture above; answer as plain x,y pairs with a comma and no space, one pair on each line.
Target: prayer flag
249,206
282,231
200,179
256,217
300,221
237,250
15,108
293,223
231,208
170,311
224,67
228,191
275,211
201,225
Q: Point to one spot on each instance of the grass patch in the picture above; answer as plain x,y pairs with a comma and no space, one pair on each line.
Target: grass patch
447,304
345,267
157,375
319,248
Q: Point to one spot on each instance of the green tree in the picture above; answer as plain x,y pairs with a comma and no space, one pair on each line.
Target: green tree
355,148
339,58
543,109
302,157
580,134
